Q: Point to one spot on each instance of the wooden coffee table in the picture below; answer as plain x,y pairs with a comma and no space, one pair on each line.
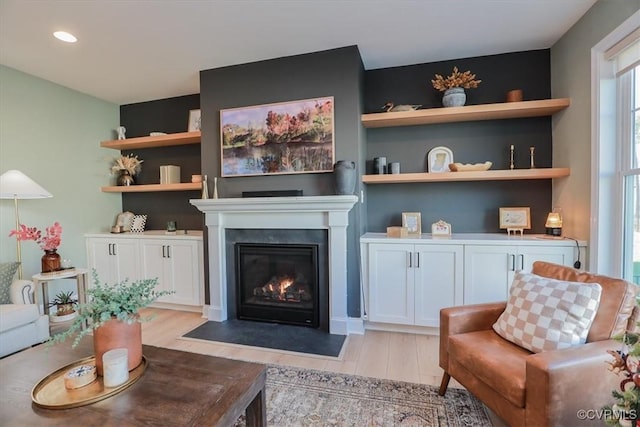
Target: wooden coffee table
177,388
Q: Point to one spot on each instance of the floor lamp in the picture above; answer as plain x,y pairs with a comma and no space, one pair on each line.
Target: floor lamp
16,185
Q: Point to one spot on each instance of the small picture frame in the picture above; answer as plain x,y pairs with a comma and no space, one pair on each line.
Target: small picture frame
194,120
439,159
515,218
413,223
138,224
441,229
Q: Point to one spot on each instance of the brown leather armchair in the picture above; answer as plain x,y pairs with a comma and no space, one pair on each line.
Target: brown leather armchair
543,389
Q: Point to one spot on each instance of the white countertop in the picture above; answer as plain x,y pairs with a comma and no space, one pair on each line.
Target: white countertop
473,238
152,234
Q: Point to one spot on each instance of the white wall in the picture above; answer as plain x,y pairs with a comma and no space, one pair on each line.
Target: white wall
571,77
52,134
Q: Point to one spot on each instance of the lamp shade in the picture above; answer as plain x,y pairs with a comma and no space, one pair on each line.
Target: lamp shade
16,185
554,220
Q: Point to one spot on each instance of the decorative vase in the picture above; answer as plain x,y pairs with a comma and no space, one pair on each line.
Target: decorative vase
345,176
454,97
50,261
125,178
118,334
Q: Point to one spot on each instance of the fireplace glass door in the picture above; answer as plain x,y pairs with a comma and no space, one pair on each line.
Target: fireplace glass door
277,283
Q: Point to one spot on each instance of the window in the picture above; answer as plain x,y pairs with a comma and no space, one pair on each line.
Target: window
628,92
615,180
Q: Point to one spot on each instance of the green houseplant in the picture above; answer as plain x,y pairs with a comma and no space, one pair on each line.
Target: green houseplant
111,314
64,302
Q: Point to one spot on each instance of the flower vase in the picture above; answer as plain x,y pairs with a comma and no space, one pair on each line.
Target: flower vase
345,176
454,97
118,334
50,261
125,178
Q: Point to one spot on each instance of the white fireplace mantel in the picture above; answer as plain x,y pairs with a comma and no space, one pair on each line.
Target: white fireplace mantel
304,212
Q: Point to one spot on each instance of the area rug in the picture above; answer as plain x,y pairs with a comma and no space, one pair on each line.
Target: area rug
298,339
303,397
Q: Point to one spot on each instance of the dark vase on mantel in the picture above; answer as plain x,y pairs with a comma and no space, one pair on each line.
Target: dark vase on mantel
345,176
50,261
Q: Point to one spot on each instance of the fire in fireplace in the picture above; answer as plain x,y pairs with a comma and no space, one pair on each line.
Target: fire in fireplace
278,283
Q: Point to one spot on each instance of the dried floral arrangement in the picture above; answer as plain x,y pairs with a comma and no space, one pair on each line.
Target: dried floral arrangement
128,163
464,80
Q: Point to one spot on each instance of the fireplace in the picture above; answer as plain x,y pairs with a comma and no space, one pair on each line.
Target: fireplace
277,283
288,215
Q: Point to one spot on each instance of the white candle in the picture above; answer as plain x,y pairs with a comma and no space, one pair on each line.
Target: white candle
115,364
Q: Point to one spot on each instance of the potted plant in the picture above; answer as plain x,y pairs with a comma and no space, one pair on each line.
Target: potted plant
625,412
65,303
111,313
48,243
454,85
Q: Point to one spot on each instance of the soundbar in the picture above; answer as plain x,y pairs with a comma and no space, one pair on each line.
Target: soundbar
272,193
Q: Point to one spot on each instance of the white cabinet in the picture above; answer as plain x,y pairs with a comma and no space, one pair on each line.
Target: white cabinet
409,283
114,259
176,265
489,269
176,260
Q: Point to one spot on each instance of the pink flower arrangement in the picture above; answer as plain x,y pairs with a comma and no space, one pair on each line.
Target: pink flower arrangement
47,243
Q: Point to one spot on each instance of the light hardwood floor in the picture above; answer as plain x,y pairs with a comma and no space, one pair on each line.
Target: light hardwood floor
387,355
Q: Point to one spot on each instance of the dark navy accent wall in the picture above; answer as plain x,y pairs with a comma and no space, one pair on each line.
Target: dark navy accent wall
170,116
468,206
337,73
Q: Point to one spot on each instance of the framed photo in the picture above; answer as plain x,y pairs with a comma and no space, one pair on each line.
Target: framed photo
283,138
441,229
412,222
439,159
138,223
515,218
194,120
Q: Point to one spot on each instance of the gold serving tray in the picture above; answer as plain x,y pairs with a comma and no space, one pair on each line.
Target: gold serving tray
50,392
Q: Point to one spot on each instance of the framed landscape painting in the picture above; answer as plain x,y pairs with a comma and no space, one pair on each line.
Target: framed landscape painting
283,138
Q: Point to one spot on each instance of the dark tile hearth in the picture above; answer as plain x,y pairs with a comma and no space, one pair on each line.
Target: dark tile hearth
271,335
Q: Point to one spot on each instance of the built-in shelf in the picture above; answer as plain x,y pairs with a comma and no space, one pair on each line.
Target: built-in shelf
182,138
490,175
505,110
146,188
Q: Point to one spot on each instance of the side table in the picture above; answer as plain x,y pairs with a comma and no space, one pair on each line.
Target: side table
43,279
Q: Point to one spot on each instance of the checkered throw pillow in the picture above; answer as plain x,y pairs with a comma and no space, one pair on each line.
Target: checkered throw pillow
545,314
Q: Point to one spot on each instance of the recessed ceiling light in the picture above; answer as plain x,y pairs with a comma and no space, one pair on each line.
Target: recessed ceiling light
65,37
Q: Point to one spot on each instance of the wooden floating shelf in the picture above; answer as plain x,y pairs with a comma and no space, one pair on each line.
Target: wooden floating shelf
147,188
183,138
490,175
504,110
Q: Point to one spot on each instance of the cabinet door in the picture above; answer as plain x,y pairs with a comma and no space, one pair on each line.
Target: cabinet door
101,259
154,253
113,259
391,284
438,271
488,271
527,255
183,276
127,259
